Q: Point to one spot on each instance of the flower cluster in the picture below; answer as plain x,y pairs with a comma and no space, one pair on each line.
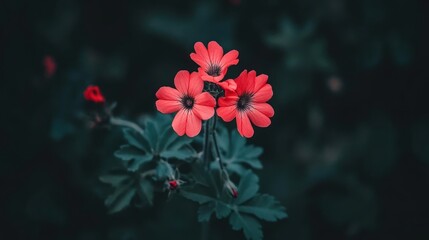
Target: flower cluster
243,98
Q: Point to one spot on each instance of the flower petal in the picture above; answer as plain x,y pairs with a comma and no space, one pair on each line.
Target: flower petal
205,99
196,85
181,81
215,52
168,106
203,112
201,50
244,126
167,93
260,81
264,108
205,77
227,113
241,82
179,122
193,124
198,59
230,58
264,94
258,118
228,101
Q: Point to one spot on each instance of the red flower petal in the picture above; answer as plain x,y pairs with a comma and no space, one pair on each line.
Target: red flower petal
244,126
195,85
179,122
258,118
198,59
193,124
228,85
264,108
201,50
264,94
228,101
168,106
215,52
181,81
241,82
230,58
260,81
204,105
227,113
168,93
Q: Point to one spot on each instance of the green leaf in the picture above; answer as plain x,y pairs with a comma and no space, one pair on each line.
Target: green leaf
134,157
248,187
146,189
164,170
120,198
205,212
264,207
184,153
197,197
152,133
136,139
115,179
251,227
167,136
222,210
236,155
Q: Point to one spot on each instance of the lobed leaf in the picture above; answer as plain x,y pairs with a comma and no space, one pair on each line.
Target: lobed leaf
264,207
205,212
120,198
136,139
222,210
248,187
251,227
146,190
134,157
197,197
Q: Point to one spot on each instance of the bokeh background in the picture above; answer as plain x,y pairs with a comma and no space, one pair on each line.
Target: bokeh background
347,152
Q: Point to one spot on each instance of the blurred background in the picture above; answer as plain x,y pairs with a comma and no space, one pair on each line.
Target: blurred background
347,152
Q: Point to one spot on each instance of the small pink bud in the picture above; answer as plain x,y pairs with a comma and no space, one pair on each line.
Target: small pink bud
232,189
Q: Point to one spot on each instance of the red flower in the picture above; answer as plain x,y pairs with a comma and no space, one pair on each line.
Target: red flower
189,100
50,66
248,103
93,94
213,64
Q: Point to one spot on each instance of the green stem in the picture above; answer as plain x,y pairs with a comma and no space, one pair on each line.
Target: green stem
222,167
206,143
205,230
125,123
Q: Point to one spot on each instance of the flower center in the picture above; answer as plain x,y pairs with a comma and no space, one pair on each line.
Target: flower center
188,102
213,70
243,102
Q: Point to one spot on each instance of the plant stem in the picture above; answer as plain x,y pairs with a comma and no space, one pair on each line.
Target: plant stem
216,145
205,229
125,123
206,143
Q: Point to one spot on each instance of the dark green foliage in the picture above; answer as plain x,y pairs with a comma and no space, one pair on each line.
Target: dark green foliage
157,141
244,211
236,154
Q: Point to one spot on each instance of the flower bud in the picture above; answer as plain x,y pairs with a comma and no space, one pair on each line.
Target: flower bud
232,189
93,94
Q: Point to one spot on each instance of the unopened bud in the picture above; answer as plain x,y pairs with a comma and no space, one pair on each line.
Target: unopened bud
232,189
